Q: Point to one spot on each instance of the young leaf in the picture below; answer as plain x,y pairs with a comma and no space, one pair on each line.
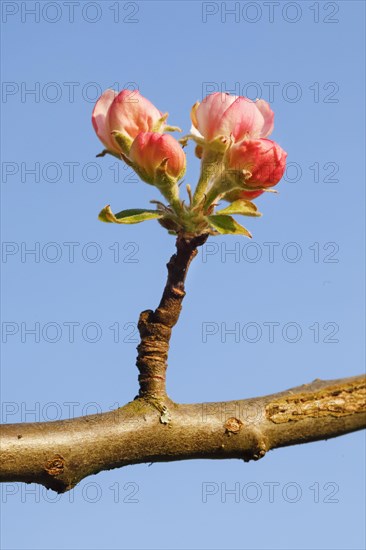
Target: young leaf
226,225
135,215
243,207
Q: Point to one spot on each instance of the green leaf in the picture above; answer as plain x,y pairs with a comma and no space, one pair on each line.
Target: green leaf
243,207
134,215
226,225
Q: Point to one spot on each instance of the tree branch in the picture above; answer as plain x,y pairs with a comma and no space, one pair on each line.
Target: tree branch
60,454
152,428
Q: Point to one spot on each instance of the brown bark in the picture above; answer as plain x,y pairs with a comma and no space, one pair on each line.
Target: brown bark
152,428
60,454
155,327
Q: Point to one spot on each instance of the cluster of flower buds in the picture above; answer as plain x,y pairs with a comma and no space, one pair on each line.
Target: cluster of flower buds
231,132
238,162
132,128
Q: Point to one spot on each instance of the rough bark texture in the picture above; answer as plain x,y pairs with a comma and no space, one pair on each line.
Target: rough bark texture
152,428
155,327
60,454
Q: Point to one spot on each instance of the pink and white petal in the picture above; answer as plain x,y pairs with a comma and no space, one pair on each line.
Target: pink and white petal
132,113
202,114
123,106
100,118
242,118
220,105
193,114
136,153
270,166
210,113
268,117
195,133
147,114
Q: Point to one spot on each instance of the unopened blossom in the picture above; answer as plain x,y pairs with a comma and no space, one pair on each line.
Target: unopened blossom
231,117
256,164
157,157
118,118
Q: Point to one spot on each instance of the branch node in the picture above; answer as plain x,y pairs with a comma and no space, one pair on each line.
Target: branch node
233,425
258,446
55,466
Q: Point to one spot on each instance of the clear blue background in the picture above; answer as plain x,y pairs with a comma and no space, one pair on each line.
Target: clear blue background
169,52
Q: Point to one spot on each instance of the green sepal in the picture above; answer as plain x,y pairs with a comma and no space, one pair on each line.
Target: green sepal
107,152
242,207
161,127
134,215
197,139
123,141
226,225
157,127
172,129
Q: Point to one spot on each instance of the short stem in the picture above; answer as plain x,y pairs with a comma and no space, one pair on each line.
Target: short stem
216,191
171,193
209,166
155,327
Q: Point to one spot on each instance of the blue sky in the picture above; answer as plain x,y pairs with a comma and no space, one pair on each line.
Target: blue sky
82,288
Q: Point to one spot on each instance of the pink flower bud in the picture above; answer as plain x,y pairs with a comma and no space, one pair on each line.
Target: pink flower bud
232,116
238,194
127,113
156,155
257,163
